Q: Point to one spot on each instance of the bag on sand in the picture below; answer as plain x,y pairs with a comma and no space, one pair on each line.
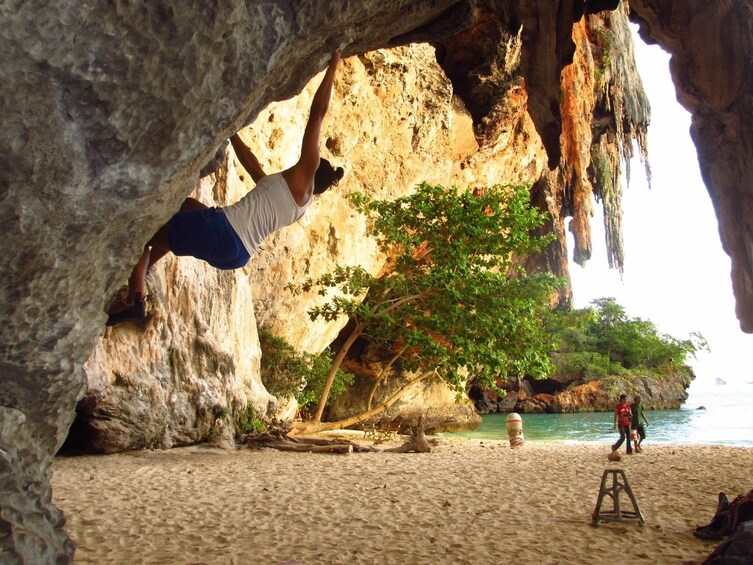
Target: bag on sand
736,549
728,516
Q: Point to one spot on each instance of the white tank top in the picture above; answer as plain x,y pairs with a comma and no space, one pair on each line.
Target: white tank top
267,208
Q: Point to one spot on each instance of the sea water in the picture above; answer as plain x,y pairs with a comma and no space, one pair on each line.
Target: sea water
718,414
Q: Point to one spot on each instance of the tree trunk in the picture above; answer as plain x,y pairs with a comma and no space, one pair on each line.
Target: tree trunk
336,362
417,442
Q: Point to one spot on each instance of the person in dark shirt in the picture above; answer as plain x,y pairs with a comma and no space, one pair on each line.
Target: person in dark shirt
638,414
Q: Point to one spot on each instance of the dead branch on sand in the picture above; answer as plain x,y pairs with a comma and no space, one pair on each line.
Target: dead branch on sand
276,437
416,441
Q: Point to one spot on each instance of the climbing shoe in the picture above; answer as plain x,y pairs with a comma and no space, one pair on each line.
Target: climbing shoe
135,313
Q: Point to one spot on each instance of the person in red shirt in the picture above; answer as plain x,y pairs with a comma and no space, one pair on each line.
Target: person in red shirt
623,416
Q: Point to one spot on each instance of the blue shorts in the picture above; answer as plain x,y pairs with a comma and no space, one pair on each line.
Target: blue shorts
207,235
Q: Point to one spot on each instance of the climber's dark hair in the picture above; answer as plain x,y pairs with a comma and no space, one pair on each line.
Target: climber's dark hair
326,176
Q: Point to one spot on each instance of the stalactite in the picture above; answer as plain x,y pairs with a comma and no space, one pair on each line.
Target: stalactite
620,119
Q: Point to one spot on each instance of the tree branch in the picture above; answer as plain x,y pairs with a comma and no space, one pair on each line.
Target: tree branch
382,373
315,426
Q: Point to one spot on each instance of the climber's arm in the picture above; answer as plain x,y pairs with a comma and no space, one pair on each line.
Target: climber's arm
301,175
247,159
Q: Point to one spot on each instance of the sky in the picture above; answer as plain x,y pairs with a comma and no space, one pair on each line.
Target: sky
676,273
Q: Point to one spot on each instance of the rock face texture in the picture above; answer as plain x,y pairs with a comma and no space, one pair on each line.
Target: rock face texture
111,111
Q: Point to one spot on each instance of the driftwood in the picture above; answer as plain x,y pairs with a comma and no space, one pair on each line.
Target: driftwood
417,442
382,433
276,437
296,446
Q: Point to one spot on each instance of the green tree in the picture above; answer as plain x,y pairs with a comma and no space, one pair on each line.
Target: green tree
453,299
603,339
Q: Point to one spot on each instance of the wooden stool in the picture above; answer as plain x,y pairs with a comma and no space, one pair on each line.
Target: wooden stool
619,483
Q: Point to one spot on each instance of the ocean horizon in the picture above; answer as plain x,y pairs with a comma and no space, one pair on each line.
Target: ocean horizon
713,414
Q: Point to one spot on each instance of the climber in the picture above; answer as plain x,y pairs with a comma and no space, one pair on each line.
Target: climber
226,237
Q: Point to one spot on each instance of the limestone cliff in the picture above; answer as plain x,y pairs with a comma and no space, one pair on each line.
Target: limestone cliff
393,123
111,110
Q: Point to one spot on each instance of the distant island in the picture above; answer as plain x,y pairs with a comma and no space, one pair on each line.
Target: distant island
601,352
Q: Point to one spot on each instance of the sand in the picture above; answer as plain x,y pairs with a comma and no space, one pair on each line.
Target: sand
466,502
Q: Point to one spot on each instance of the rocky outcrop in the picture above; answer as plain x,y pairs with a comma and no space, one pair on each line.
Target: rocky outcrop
661,392
110,113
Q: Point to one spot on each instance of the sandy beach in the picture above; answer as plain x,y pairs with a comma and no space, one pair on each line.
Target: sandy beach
467,502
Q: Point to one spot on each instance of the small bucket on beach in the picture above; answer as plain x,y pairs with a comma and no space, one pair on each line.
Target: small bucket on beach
514,429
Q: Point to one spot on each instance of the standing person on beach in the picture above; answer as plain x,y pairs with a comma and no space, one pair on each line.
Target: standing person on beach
622,419
638,413
227,237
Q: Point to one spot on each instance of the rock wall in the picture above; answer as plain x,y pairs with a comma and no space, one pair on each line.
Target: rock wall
111,110
392,123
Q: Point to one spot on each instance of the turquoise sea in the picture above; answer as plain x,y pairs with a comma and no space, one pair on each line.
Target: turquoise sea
726,420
